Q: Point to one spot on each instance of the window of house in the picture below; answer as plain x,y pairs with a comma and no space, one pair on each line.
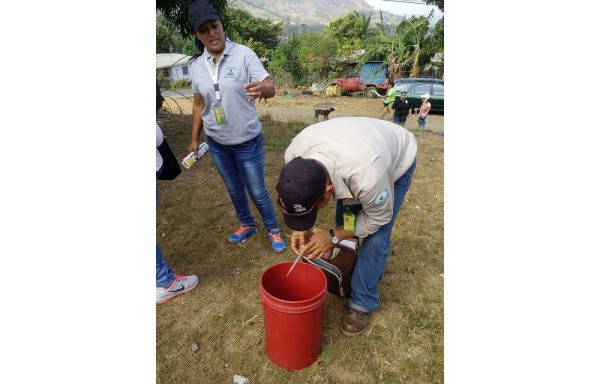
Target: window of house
184,69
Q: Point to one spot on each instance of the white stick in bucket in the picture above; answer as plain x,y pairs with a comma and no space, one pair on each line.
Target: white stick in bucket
293,265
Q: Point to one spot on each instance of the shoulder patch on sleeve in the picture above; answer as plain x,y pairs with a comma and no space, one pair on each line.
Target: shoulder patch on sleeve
382,197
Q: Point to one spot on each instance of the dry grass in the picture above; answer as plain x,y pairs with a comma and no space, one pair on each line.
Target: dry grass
223,316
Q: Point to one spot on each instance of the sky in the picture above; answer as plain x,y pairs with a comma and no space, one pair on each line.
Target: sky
407,9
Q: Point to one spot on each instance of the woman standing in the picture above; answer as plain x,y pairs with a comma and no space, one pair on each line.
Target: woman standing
226,79
168,283
424,111
402,109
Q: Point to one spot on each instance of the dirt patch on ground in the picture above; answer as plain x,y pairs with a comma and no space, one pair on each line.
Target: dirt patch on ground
301,108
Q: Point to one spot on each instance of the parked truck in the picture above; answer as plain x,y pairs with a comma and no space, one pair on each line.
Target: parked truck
372,76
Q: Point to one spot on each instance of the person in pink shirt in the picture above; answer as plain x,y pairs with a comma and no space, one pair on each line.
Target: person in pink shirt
424,111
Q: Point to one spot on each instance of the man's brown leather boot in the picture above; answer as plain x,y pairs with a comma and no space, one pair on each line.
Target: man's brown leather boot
355,322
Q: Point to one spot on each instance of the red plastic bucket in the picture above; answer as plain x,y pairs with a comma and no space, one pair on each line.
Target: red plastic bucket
293,311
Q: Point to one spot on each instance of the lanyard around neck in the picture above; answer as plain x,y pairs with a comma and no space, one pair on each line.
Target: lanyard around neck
214,76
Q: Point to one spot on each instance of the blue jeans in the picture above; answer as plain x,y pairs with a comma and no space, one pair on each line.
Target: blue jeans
399,119
374,250
422,125
164,274
241,167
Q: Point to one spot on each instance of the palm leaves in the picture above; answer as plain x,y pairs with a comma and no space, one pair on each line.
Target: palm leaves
364,22
400,48
391,49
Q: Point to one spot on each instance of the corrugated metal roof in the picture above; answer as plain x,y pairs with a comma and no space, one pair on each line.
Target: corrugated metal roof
166,60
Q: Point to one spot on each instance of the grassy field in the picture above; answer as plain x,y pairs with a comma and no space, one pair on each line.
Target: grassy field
223,315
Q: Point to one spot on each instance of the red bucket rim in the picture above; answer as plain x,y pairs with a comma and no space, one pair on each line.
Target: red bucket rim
295,302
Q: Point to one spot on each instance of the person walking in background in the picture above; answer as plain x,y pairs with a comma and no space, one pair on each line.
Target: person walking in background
226,80
388,99
402,109
367,166
168,283
424,111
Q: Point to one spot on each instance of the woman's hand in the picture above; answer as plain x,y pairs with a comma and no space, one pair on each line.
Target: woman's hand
253,90
194,147
264,89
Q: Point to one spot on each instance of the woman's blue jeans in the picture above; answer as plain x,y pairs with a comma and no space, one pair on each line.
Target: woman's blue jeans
422,125
164,274
374,250
241,167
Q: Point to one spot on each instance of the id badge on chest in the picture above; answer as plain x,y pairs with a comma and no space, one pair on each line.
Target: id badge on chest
220,115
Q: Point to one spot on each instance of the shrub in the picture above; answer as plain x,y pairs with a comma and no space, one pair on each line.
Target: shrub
181,83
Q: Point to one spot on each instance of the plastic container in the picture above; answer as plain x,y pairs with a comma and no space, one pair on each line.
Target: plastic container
293,309
190,159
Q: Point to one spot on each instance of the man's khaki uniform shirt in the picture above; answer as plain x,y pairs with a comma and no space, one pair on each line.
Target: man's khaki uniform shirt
363,157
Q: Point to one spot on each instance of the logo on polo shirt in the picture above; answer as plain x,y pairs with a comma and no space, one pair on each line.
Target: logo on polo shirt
230,73
382,197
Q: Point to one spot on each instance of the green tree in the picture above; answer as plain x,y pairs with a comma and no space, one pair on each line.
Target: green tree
318,54
400,49
260,35
189,47
364,24
168,38
286,60
433,44
349,31
390,49
414,31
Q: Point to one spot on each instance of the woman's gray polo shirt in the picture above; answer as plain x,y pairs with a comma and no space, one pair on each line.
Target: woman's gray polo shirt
238,65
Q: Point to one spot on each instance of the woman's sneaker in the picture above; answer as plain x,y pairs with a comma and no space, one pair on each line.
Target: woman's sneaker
276,240
243,232
180,285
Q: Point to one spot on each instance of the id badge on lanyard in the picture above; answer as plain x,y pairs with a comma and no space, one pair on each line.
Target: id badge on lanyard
349,220
219,110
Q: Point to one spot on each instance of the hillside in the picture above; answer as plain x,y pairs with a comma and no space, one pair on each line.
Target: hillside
310,12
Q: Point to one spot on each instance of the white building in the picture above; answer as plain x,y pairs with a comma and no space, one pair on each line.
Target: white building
175,66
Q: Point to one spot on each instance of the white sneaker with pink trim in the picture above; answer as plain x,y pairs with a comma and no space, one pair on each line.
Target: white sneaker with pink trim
180,285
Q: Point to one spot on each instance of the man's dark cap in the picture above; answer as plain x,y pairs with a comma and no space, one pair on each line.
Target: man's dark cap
200,12
301,186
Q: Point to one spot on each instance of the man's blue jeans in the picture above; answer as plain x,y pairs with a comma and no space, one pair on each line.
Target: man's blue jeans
164,274
241,167
400,120
374,250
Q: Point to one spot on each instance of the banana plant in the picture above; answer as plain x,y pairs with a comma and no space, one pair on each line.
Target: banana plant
414,31
390,49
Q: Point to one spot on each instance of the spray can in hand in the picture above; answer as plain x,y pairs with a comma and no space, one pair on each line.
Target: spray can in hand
190,159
